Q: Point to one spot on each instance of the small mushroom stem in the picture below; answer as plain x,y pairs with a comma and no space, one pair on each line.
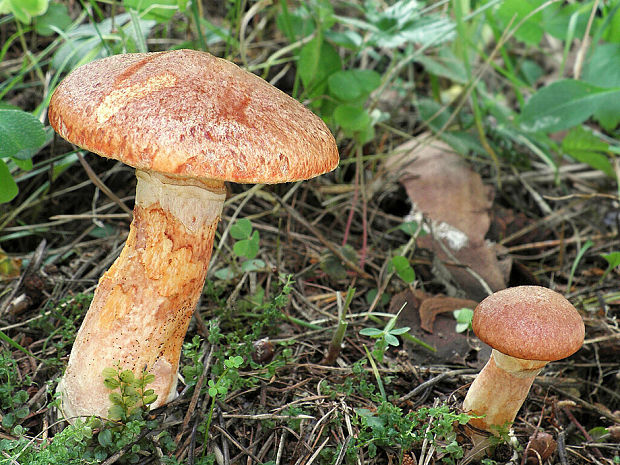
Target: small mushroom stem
499,390
143,304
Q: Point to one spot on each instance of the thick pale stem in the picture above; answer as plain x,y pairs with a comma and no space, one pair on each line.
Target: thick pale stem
499,390
143,304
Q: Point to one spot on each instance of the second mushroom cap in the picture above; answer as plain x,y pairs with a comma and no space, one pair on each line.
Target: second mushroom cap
529,322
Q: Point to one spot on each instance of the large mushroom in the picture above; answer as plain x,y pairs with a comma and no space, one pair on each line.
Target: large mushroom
527,327
187,121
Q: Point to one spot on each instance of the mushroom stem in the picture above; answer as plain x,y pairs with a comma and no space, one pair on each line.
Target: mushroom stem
143,304
499,390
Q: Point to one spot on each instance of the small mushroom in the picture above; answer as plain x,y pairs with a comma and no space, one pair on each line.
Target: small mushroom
187,121
527,327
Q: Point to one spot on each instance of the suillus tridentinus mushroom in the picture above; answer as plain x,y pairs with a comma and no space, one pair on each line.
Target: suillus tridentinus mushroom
187,121
527,327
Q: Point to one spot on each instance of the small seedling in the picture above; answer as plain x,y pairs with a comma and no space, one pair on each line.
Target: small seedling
132,396
246,249
385,337
401,266
613,261
463,318
219,388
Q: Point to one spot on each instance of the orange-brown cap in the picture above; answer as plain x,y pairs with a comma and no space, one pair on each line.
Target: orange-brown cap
529,322
189,113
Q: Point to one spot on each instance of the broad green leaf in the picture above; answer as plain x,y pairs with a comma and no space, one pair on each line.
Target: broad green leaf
351,118
584,146
21,134
317,61
105,437
127,376
247,248
115,398
445,64
332,264
613,259
242,229
109,373
343,86
564,104
403,268
111,383
8,187
159,10
351,85
603,69
24,10
612,32
565,21
116,412
56,16
514,11
531,71
242,248
294,24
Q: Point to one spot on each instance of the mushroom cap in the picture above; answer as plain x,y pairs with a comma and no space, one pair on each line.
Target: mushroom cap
530,323
189,113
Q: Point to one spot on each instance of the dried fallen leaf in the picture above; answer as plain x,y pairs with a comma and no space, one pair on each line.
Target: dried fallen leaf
444,189
541,446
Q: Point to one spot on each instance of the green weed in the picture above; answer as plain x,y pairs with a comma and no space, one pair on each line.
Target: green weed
245,249
13,399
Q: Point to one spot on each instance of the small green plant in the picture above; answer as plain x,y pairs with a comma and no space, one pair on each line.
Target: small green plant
246,247
463,317
24,10
62,325
401,266
219,388
13,399
159,10
132,396
613,261
385,337
21,136
390,426
128,417
192,365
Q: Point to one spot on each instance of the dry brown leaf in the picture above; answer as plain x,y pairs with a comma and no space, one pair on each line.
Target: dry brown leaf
452,196
541,446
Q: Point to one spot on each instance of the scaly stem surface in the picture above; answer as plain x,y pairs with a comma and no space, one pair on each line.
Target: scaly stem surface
499,390
143,304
